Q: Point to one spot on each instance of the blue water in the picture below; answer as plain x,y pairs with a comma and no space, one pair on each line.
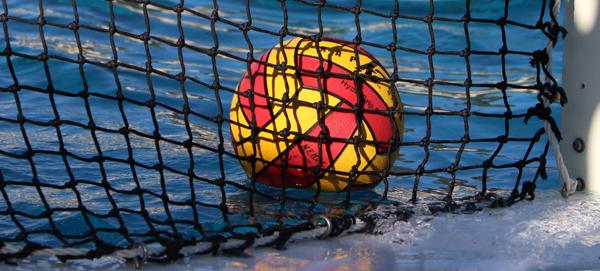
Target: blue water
50,168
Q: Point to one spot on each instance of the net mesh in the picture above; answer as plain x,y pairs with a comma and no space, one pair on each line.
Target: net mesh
116,132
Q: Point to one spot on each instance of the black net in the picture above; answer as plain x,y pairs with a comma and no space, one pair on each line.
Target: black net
114,116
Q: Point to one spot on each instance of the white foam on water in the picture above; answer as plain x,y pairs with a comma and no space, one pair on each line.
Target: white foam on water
549,233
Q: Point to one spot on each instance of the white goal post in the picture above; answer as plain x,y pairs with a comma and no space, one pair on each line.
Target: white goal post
580,117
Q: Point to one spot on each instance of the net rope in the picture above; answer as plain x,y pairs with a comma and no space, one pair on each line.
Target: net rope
164,239
568,184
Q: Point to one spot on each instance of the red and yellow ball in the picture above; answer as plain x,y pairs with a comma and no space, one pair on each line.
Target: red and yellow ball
325,116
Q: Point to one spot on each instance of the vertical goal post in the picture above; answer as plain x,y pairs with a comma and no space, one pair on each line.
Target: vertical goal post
580,117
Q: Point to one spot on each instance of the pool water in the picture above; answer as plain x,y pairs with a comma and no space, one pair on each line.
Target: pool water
204,102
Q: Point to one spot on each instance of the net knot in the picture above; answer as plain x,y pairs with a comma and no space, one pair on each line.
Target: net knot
556,30
249,58
502,85
428,82
213,51
383,173
14,88
503,50
73,25
501,21
452,168
431,50
112,28
137,191
551,91
99,158
521,163
283,31
424,142
42,56
392,47
83,94
7,51
284,132
465,52
3,17
186,108
488,163
527,191
113,63
55,122
180,77
466,18
113,212
353,171
357,39
178,8
552,30
158,167
245,27
20,118
428,19
144,36
150,103
124,131
319,106
539,57
180,42
165,198
281,66
285,99
316,37
543,113
41,20
214,15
